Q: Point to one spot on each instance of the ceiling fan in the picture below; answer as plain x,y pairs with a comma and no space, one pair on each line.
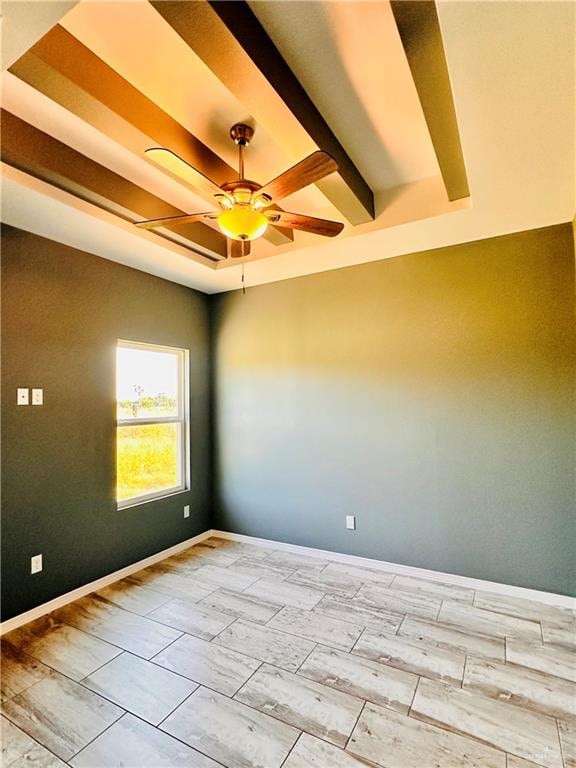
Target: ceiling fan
242,213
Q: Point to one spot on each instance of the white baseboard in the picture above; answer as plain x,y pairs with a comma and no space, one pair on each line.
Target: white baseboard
93,586
550,598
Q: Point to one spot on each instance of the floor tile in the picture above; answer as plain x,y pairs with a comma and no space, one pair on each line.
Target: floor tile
141,687
133,597
131,743
360,573
218,556
241,548
545,658
233,734
393,740
433,588
129,631
560,635
519,762
295,560
241,605
359,613
500,724
485,622
411,656
61,715
211,665
266,644
317,627
62,647
311,752
525,688
194,618
178,566
19,750
394,601
567,732
360,677
230,577
317,709
262,569
292,633
18,671
173,585
38,757
285,593
334,583
14,742
175,565
521,608
452,638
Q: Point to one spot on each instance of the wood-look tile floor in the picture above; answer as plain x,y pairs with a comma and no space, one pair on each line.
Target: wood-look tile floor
237,656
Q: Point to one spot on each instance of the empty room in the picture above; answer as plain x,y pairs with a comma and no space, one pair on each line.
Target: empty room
288,384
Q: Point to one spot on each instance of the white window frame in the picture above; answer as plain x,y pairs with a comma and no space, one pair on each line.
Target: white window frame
182,418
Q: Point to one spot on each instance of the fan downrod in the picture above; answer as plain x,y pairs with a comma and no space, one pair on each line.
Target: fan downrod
241,134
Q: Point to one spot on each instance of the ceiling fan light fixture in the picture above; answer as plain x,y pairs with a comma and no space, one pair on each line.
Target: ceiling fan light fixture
224,202
242,223
261,201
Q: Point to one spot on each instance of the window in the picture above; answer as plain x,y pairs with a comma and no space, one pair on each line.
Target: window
152,422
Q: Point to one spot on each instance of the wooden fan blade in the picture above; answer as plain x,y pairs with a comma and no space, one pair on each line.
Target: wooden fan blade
237,249
313,168
179,167
323,227
184,219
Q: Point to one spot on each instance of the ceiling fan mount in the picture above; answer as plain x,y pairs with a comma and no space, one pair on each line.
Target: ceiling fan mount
242,203
240,133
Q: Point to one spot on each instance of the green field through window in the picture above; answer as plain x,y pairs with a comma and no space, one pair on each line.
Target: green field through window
147,459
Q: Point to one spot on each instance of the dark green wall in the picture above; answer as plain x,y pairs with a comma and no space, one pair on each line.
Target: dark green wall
62,312
431,395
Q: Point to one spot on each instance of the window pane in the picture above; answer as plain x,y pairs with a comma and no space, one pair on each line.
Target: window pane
146,383
147,459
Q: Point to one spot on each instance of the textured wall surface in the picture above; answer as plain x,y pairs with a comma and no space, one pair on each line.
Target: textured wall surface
62,312
431,395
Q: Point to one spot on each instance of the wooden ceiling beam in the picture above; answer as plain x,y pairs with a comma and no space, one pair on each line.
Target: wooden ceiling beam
70,74
230,40
30,150
419,29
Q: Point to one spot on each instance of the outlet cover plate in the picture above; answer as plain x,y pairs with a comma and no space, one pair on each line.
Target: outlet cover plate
36,564
351,522
187,510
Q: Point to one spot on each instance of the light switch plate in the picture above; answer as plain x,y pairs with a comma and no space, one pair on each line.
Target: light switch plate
22,396
187,510
351,522
36,564
37,397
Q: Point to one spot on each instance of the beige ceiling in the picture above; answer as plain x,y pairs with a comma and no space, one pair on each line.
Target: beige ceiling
511,68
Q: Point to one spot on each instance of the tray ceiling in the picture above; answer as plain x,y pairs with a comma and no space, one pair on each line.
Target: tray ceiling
449,122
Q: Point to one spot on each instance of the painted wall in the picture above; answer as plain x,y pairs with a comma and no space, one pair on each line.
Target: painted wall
62,312
430,395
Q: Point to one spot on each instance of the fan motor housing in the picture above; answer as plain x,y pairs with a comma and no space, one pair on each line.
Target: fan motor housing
231,186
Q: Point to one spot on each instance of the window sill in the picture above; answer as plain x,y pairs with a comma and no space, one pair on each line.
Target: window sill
138,502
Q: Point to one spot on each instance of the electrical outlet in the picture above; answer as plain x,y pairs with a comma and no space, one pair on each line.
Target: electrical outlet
36,564
187,510
22,396
351,522
37,397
